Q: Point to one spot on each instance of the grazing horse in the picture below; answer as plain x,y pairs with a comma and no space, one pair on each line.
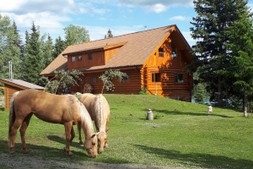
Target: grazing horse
99,110
61,109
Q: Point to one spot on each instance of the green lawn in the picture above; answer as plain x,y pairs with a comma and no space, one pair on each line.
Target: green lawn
182,134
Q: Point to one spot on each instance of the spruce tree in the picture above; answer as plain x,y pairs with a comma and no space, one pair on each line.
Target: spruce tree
47,50
59,46
214,18
240,43
33,58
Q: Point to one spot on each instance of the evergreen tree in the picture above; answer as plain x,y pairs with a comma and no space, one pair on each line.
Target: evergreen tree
241,46
10,49
109,34
33,58
210,30
47,50
76,35
59,46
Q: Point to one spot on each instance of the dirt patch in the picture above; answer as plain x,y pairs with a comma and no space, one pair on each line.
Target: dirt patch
9,161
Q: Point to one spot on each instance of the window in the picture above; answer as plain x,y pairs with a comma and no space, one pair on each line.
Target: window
73,58
156,77
90,56
173,53
179,78
93,80
161,52
80,58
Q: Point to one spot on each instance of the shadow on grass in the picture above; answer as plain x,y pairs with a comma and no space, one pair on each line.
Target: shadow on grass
42,151
176,112
46,152
200,160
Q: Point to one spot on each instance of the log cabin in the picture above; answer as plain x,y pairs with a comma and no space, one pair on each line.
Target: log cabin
13,85
155,60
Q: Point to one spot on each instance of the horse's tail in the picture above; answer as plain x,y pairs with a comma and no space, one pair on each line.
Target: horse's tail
12,111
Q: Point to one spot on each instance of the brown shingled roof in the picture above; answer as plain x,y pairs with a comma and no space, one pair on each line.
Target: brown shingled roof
21,84
137,48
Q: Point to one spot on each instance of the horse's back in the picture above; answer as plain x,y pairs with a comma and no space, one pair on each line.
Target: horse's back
46,106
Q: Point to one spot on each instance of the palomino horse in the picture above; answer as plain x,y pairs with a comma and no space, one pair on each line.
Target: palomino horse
62,109
99,110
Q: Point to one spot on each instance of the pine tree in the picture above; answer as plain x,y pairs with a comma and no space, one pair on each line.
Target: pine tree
33,58
47,50
240,43
59,46
109,34
210,30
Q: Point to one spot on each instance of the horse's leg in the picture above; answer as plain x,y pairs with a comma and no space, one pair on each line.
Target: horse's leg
22,131
13,132
79,132
68,127
72,134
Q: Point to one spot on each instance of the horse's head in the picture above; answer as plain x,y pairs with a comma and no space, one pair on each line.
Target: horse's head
91,146
102,141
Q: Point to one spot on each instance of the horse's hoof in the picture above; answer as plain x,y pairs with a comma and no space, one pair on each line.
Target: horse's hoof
68,152
80,142
25,151
12,151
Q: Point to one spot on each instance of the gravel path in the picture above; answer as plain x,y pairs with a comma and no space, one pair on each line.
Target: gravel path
10,161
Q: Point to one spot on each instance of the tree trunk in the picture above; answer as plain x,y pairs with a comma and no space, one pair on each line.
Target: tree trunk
245,105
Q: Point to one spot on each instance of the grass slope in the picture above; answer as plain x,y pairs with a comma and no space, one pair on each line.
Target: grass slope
182,134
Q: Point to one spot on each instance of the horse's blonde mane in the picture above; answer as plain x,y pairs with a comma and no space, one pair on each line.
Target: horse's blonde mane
100,107
85,118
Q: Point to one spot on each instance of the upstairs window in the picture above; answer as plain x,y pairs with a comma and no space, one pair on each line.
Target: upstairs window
156,77
90,56
73,58
161,52
173,53
80,58
179,78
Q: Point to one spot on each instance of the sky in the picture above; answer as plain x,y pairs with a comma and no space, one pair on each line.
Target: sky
98,16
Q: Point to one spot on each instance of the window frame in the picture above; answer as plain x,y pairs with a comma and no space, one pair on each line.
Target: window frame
90,57
179,78
156,77
73,59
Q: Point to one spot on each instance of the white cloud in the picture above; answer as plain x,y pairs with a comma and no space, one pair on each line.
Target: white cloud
159,4
5,5
48,15
158,8
179,18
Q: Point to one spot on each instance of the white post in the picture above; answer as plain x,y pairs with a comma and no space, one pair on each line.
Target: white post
10,70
